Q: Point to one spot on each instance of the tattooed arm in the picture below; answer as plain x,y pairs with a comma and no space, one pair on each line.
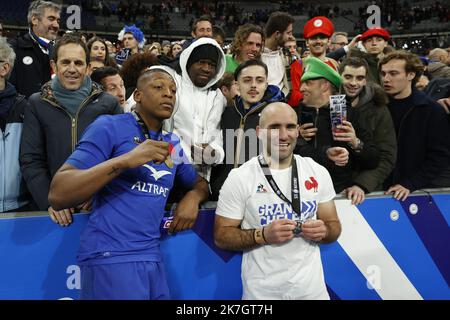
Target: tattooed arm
228,234
71,186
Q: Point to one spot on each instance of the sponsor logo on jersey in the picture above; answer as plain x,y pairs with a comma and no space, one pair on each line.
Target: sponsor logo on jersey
277,211
151,188
155,173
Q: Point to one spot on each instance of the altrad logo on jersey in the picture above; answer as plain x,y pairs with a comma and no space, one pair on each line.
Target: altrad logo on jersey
152,187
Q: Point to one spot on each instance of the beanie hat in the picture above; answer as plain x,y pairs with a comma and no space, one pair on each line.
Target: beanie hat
204,51
316,68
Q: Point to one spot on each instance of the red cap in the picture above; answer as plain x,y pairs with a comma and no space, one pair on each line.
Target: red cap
383,33
318,25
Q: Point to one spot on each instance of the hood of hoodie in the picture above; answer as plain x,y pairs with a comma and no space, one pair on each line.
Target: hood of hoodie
372,92
220,68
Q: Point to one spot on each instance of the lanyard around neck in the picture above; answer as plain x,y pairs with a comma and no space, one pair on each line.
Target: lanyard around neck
144,129
142,124
295,188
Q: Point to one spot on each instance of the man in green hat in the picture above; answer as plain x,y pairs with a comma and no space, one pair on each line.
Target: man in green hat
339,151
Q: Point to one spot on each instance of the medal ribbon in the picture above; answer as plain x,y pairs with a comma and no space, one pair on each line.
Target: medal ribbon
295,188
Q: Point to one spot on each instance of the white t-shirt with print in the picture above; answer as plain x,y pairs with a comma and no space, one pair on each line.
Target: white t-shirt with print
292,270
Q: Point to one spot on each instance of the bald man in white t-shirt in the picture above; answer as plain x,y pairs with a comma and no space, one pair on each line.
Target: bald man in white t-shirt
281,248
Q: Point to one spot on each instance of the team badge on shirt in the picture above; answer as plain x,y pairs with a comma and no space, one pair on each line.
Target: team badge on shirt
312,184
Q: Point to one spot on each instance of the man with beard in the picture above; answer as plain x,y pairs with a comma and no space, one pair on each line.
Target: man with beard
278,30
247,45
339,151
278,208
34,49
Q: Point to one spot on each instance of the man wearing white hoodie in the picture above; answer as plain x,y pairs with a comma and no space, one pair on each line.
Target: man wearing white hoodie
198,109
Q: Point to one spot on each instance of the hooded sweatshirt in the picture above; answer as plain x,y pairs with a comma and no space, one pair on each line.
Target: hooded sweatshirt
197,112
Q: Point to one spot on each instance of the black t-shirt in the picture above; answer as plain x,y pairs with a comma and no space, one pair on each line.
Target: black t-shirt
399,108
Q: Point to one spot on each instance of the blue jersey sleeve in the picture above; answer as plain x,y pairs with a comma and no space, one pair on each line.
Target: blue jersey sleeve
96,145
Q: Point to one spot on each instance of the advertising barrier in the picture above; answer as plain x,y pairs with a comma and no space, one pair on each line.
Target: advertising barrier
387,250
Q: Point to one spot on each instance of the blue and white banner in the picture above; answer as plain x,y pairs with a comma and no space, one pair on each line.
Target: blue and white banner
387,250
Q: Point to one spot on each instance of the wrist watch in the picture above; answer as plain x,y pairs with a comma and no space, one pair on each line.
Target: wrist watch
359,145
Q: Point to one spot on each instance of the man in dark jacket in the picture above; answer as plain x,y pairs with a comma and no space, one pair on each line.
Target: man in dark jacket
369,103
439,90
34,49
13,194
240,119
339,152
423,157
57,118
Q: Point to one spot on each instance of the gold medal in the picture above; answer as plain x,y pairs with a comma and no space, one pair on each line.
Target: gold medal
169,162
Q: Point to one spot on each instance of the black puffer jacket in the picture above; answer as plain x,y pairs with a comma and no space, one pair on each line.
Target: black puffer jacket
50,134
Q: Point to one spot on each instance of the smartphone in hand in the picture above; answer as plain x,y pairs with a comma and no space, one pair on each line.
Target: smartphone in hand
306,117
338,111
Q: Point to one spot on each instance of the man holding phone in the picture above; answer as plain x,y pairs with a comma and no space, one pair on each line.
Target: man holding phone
319,83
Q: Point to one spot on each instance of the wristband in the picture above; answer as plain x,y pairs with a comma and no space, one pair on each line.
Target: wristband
259,236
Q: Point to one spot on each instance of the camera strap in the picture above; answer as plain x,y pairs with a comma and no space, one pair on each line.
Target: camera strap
295,188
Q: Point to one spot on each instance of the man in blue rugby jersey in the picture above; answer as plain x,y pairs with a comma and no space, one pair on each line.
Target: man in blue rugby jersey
128,165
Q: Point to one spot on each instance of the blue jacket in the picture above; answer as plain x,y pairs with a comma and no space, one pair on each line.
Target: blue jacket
13,194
